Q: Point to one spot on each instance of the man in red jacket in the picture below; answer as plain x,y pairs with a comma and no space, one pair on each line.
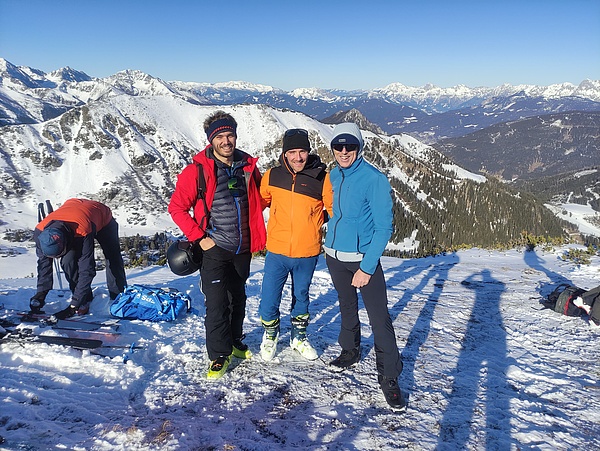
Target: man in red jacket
68,233
228,226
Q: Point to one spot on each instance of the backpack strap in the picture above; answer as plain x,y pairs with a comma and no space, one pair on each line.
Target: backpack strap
202,194
249,175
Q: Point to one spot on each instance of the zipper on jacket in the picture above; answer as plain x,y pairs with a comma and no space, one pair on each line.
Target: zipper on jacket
292,211
339,208
230,171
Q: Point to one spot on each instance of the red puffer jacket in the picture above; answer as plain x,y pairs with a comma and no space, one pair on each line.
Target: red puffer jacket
185,197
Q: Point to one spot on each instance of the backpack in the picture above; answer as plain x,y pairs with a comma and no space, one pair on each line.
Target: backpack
561,300
151,304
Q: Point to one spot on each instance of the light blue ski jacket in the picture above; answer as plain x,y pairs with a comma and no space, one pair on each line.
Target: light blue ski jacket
362,212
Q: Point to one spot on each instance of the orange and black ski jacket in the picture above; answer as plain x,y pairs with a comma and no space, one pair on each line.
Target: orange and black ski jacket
85,218
297,202
82,215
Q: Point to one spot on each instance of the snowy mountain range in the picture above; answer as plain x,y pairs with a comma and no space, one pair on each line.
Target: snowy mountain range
123,140
66,86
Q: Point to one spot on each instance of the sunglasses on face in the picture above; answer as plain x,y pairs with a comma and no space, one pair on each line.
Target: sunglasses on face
295,131
349,147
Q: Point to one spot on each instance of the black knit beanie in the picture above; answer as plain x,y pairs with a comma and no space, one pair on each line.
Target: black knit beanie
296,138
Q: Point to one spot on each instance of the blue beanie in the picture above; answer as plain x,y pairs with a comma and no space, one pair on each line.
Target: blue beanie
220,126
53,242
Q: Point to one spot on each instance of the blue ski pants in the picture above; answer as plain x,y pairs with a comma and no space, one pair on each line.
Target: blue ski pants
277,269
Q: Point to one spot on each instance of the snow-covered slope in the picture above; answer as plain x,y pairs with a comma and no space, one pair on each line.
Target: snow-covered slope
484,368
126,150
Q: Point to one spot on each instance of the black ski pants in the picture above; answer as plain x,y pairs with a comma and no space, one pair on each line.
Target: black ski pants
223,276
74,262
374,296
108,239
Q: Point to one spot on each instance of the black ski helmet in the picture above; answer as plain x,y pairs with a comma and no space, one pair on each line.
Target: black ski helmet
184,258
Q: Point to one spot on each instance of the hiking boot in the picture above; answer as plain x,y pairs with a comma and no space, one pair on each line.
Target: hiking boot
346,359
392,393
217,367
304,348
268,347
240,349
66,313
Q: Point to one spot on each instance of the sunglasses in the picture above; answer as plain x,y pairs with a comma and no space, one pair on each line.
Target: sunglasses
236,186
295,131
349,147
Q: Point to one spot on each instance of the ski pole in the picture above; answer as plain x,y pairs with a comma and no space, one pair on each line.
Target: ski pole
41,215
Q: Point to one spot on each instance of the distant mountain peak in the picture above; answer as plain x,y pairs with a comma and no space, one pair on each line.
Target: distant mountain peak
246,86
69,74
355,116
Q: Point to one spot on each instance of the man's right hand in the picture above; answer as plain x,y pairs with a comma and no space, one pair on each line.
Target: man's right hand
207,243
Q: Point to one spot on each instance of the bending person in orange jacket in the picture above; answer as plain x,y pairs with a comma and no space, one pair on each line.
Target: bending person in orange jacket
297,191
68,233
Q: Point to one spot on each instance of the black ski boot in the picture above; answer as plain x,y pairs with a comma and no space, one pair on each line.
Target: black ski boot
346,359
66,313
36,305
393,394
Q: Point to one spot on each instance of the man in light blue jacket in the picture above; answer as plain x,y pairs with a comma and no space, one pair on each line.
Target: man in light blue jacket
357,234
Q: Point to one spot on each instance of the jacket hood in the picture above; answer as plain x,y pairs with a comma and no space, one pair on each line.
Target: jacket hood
312,162
349,128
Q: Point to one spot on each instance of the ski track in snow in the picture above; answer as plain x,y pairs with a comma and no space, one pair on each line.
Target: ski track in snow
485,368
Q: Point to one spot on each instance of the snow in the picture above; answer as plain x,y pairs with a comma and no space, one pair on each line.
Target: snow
484,368
578,215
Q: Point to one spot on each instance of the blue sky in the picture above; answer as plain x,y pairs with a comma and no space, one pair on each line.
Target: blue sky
325,44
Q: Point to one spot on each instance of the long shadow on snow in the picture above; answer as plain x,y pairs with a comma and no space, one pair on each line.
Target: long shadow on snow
480,373
439,268
534,261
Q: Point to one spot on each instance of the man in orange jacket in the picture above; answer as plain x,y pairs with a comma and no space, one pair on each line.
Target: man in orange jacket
297,192
68,233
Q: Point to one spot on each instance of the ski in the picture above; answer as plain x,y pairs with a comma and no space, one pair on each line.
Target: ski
85,325
104,336
77,343
75,324
41,212
41,215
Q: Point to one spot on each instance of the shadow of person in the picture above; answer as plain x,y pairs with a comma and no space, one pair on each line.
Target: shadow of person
436,277
535,262
480,383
